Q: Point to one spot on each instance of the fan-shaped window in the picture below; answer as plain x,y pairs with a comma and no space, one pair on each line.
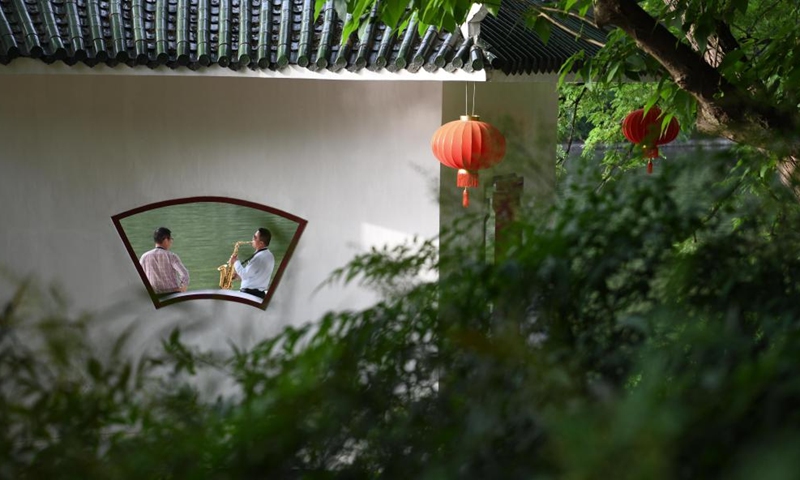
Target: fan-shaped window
197,236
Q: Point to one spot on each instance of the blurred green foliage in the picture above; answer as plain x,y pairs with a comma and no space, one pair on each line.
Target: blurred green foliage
643,328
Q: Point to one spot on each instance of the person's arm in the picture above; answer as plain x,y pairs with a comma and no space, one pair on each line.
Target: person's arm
182,272
270,267
239,269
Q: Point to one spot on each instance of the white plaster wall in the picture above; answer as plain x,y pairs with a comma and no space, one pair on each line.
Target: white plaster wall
353,158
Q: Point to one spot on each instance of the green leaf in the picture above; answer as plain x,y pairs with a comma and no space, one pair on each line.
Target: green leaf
566,69
568,66
362,31
633,75
422,27
612,71
704,27
94,368
652,101
665,119
404,24
449,23
349,27
739,5
124,376
584,9
542,27
360,8
392,12
731,62
318,6
792,79
636,62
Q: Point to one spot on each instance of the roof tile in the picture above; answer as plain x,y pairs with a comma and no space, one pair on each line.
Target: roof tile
268,34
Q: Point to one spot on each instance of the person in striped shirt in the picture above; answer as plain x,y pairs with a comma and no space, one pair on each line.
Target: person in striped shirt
163,268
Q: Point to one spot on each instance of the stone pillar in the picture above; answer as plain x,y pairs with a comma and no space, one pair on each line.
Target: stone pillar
506,198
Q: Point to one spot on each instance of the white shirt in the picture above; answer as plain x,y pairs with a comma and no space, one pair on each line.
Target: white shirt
258,271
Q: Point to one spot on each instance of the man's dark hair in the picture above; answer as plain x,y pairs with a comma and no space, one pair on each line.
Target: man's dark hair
264,235
161,234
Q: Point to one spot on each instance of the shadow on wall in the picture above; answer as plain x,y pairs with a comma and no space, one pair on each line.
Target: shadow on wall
205,232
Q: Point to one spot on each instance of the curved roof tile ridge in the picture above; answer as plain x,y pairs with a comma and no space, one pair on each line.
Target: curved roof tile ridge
270,35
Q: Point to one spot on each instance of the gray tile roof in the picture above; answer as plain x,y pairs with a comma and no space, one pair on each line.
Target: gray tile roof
261,34
515,49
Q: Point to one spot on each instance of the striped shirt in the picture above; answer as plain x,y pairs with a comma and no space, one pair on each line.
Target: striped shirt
164,270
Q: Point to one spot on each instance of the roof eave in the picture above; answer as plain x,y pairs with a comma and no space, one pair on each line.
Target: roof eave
34,66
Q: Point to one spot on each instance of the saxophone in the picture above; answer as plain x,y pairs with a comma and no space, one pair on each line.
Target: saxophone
226,270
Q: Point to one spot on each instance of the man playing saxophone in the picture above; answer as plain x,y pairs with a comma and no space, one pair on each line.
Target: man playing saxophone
256,271
164,269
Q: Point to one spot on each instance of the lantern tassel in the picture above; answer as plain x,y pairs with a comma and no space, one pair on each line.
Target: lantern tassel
649,167
465,198
466,178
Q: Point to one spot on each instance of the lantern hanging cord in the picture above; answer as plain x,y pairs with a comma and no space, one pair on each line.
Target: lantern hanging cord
466,98
474,87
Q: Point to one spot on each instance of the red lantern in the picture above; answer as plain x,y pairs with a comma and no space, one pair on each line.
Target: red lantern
644,130
468,145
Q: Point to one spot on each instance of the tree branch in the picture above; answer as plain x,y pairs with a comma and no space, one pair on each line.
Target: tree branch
558,24
575,105
727,41
723,109
686,67
571,14
719,44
